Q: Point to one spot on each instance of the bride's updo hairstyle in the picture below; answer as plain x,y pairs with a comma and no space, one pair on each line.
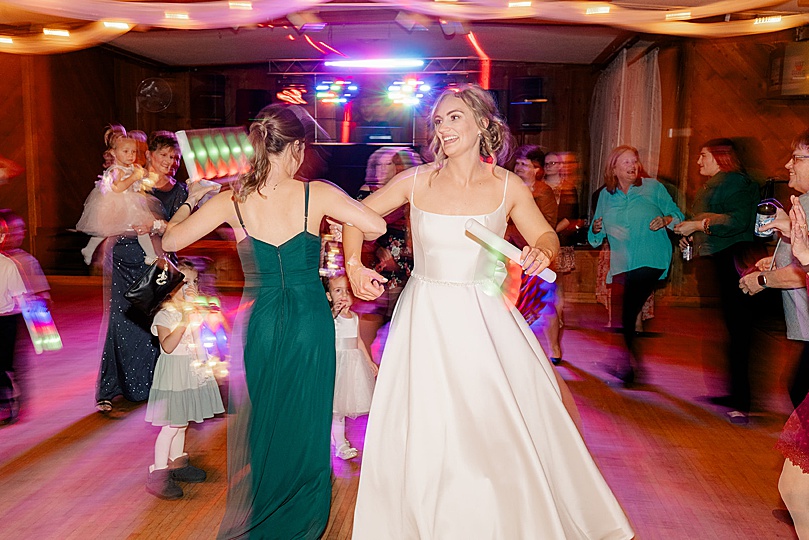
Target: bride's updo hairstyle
495,140
276,127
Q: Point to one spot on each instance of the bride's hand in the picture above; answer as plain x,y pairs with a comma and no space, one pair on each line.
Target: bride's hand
366,284
534,260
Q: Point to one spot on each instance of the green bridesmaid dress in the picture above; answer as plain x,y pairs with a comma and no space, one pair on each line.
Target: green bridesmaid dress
282,489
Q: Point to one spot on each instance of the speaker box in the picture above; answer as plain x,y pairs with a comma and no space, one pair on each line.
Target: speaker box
207,99
527,104
248,105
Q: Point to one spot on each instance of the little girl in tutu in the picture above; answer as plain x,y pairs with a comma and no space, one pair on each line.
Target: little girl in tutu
117,203
184,388
354,378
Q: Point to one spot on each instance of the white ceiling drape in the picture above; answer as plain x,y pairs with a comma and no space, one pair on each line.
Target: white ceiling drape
233,14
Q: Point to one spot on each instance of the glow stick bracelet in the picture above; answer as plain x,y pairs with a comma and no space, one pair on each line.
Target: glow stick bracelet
478,230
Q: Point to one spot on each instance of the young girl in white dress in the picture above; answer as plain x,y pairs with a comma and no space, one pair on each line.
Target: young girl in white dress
118,203
184,388
354,378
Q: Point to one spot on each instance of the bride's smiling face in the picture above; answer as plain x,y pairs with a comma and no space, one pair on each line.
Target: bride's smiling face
455,126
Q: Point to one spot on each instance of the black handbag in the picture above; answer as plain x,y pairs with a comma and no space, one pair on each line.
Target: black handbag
152,288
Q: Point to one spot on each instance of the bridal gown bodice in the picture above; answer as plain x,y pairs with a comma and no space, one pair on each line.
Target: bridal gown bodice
443,252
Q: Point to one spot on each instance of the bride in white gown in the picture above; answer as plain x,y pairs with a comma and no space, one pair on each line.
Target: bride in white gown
470,434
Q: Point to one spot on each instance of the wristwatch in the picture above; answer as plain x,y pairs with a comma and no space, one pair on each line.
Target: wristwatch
762,280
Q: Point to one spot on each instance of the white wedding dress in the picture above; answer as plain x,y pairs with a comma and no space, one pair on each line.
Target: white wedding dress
467,437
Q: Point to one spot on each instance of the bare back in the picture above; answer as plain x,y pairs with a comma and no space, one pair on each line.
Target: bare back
279,215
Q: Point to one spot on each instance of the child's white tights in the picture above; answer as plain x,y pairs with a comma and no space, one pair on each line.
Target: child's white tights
169,445
338,430
145,242
90,248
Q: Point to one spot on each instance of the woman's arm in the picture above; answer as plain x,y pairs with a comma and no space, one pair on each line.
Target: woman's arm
737,197
367,355
338,205
169,339
596,234
185,228
798,236
543,244
670,213
367,284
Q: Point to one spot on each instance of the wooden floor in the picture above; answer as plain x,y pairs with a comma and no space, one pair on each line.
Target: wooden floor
679,469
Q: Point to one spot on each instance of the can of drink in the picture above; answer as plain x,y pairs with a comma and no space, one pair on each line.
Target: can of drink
765,213
688,252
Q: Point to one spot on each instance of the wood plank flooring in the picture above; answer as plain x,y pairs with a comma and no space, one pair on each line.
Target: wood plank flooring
679,469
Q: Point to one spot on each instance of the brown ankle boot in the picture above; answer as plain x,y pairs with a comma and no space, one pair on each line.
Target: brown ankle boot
162,485
183,471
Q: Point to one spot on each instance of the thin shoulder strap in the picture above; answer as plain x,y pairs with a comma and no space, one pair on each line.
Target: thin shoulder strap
239,214
413,189
306,207
505,187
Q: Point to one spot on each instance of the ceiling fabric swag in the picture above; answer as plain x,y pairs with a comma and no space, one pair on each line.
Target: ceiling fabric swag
227,14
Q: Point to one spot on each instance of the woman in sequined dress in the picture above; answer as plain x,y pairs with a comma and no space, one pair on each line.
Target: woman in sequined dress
130,351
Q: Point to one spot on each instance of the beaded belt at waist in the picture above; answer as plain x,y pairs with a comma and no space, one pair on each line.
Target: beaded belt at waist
346,343
453,283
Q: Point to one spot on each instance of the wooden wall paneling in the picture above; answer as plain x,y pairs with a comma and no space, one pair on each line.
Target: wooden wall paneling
730,101
14,194
74,95
40,144
681,286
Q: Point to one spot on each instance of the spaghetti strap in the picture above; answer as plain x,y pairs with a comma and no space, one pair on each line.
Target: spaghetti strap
505,188
413,189
239,214
306,207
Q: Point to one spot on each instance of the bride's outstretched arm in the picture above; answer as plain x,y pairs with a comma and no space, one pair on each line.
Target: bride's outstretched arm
543,243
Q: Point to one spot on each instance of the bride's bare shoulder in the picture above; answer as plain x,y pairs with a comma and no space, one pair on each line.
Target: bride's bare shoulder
407,177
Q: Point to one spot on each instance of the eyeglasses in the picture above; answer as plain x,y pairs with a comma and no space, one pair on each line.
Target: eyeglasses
794,157
549,163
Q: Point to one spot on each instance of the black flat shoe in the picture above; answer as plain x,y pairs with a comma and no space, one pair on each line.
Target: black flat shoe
625,376
722,401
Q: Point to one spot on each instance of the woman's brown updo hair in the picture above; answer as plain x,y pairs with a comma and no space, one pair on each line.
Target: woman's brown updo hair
495,139
275,127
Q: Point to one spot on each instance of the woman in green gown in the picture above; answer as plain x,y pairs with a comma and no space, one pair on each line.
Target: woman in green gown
278,436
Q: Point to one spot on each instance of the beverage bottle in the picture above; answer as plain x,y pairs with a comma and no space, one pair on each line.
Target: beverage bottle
688,251
765,213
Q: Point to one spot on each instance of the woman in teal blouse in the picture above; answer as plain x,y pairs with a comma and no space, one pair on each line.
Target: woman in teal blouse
633,213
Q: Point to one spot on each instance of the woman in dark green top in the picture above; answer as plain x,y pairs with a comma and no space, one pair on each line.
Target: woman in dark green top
722,231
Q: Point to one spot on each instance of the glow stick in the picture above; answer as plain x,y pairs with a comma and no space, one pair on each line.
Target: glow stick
39,321
479,231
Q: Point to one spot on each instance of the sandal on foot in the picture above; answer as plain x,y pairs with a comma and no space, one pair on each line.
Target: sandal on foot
346,452
104,405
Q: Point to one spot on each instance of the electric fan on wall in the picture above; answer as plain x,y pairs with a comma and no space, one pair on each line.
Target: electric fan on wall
153,95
